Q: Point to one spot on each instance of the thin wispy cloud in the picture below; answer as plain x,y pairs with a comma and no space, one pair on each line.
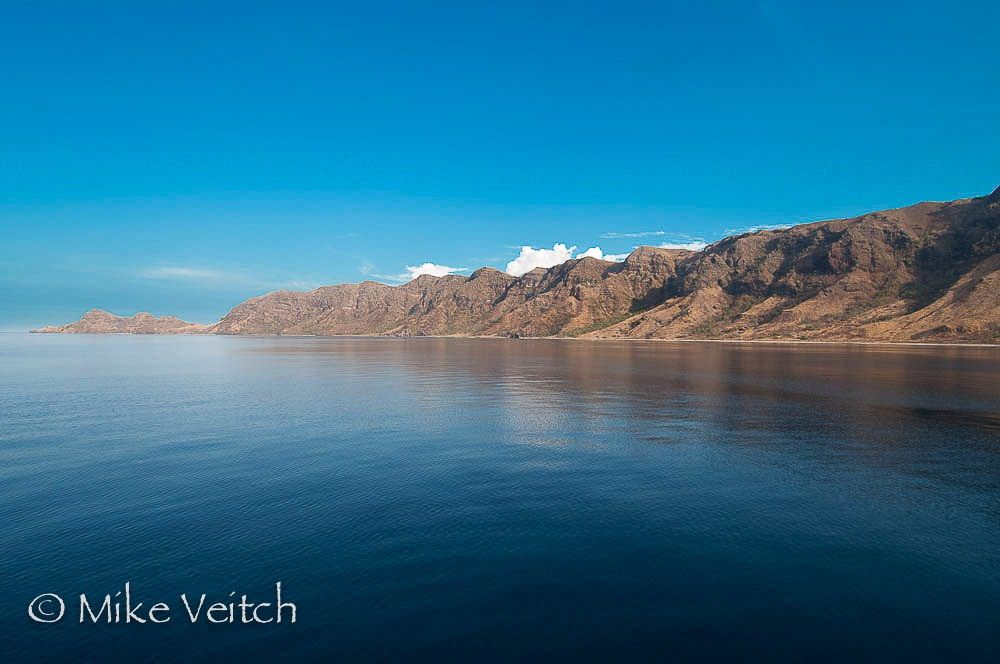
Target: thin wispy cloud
754,229
219,278
626,236
674,240
188,273
694,245
368,269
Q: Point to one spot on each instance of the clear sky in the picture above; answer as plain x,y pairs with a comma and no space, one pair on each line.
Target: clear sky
179,157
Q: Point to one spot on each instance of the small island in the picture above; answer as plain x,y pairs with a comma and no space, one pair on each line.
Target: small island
97,321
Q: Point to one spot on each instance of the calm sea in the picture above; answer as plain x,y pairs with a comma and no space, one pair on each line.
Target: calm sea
468,499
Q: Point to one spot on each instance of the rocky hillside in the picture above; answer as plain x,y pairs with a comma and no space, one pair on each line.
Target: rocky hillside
926,272
929,272
572,298
102,322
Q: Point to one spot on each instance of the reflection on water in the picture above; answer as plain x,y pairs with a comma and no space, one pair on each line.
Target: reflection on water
501,498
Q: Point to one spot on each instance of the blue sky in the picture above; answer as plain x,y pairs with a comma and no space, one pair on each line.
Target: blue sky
179,157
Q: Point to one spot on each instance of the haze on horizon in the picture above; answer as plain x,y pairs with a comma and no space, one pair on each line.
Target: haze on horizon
179,159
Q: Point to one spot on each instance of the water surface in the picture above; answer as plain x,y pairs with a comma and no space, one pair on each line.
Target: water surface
472,498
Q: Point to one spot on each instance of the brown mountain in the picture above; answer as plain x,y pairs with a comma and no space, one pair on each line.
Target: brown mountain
101,322
926,272
574,297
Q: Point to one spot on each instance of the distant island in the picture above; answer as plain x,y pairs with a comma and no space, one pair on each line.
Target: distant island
97,321
928,272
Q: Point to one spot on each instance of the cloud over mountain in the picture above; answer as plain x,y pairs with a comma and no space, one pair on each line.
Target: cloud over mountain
432,269
530,258
693,245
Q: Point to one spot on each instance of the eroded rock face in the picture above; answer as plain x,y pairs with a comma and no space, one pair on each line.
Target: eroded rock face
97,321
571,298
929,272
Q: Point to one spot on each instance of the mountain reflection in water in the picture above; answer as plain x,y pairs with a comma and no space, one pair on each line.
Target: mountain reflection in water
496,498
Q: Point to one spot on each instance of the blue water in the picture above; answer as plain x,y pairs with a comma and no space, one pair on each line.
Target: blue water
467,499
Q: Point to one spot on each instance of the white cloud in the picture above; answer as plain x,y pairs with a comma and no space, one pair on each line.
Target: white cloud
410,273
617,236
694,245
530,258
432,269
593,252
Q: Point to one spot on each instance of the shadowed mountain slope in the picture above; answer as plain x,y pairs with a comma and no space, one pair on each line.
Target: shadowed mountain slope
925,272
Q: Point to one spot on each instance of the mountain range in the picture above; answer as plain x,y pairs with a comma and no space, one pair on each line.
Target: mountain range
928,272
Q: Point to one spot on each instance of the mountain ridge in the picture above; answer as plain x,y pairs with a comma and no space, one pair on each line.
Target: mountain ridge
925,272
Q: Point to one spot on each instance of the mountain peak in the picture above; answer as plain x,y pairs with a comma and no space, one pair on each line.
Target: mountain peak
487,271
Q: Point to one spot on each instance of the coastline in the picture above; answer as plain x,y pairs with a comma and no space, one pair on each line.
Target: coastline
775,342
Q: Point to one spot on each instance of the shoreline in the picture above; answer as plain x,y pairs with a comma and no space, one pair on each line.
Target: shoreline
816,342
